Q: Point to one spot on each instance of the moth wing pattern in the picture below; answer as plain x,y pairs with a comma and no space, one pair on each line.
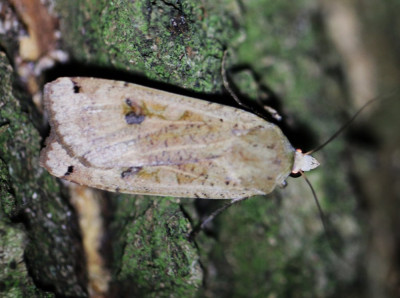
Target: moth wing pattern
124,137
151,181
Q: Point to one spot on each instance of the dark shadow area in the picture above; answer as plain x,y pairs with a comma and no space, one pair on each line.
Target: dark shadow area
76,69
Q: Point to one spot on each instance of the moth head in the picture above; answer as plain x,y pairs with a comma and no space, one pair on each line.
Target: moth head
303,162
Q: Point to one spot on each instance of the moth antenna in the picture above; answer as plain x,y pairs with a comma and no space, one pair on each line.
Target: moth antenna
211,217
322,216
347,124
321,213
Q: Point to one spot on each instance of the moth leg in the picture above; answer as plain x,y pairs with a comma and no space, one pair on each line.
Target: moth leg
283,184
211,217
274,114
226,82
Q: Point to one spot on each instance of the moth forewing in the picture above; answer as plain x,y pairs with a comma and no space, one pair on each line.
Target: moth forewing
128,138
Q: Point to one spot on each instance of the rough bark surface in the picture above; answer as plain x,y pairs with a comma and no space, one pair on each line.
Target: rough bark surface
280,52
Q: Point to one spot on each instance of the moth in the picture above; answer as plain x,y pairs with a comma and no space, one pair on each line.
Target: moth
127,138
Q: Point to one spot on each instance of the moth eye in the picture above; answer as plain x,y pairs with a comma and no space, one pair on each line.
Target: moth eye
133,118
70,170
295,175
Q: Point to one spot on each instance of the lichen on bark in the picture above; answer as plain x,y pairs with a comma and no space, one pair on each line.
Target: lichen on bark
29,195
271,246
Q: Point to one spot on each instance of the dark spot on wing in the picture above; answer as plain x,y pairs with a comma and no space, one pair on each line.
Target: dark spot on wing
70,170
77,88
130,172
128,101
133,118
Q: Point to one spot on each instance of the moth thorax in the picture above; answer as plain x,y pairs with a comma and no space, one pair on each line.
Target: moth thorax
303,162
